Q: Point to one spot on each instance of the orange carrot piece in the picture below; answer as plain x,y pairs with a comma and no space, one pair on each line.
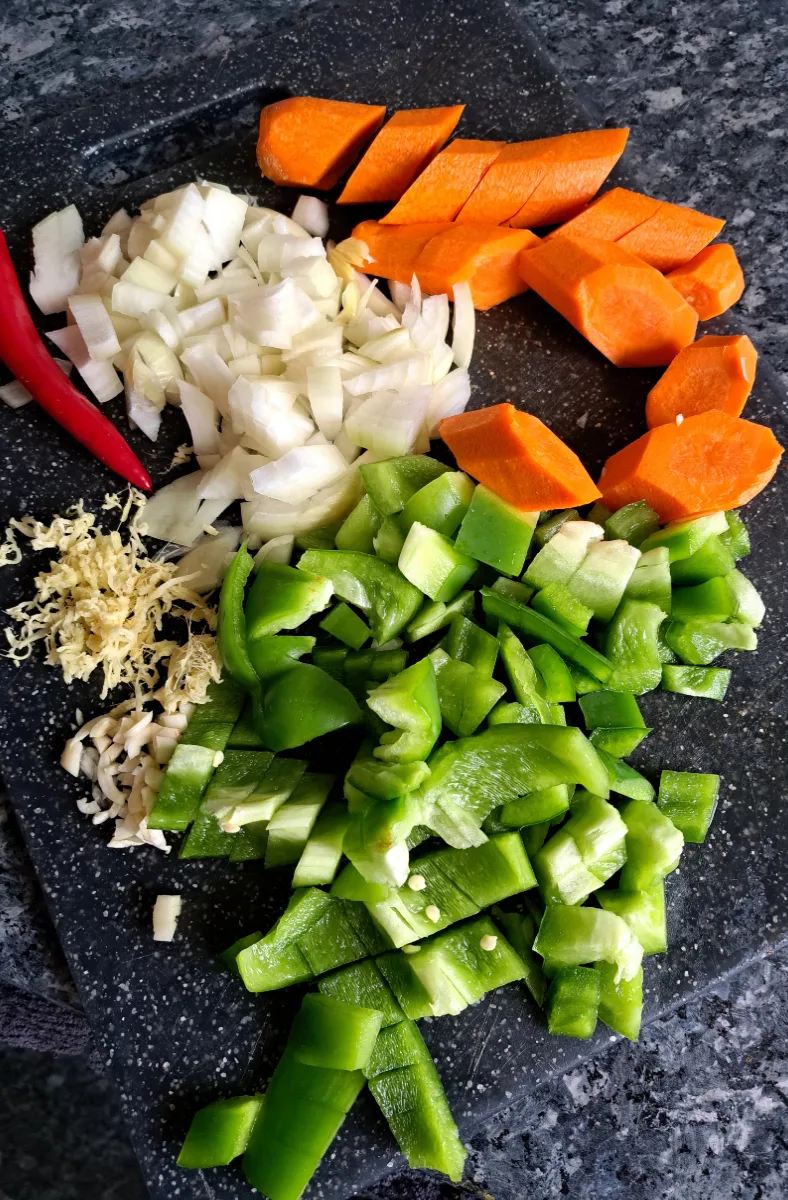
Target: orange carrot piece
671,237
711,282
623,306
306,142
709,462
394,249
610,216
515,455
440,191
713,373
577,166
512,178
484,255
403,148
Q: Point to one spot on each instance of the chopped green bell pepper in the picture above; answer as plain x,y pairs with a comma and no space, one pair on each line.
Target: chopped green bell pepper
558,560
359,528
557,603
262,801
495,532
709,682
388,600
601,579
244,736
184,782
441,504
347,626
620,1001
625,780
699,642
468,643
710,601
654,846
573,1002
631,646
523,677
390,538
376,838
231,626
519,930
433,564
619,741
556,678
539,629
536,807
511,713
272,655
302,704
437,615
391,483
610,709
220,1132
644,913
710,561
206,839
293,822
211,724
689,799
571,936
331,1033
651,579
382,780
512,589
331,659
736,538
322,854
409,702
465,695
750,608
683,538
284,597
634,523
549,525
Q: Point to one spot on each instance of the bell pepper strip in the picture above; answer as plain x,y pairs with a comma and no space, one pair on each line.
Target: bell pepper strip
683,537
468,643
572,936
633,523
233,804
557,603
382,780
220,1132
391,483
555,678
601,579
654,846
322,854
319,539
511,713
620,1001
750,608
346,626
536,807
390,538
362,668
523,677
599,834
689,798
185,780
512,589
211,724
376,837
619,741
736,537
302,704
563,876
573,1002
283,597
699,642
332,1034
561,556
272,655
548,526
713,600
26,356
495,532
651,579
244,736
625,780
605,709
465,695
359,528
388,601
239,774
709,682
538,628
441,504
631,647
291,825
206,839
231,629
331,659
424,1127
437,615
519,930
584,683
644,913
433,564
712,560
409,702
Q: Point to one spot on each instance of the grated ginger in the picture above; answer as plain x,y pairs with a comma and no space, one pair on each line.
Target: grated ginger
102,602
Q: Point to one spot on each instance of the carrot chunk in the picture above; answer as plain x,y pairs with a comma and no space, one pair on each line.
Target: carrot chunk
403,148
623,306
505,187
515,455
394,249
610,216
306,142
709,462
484,255
713,373
671,237
440,191
577,166
711,282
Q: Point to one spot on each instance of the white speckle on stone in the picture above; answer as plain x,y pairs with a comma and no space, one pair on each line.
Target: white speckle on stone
664,100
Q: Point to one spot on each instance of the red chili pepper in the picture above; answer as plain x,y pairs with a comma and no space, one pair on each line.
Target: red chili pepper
23,351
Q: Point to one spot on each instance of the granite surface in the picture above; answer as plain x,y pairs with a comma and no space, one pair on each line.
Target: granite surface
698,1107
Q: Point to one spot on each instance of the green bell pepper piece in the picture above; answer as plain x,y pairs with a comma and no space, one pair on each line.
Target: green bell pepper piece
358,529
211,723
220,1132
364,667
510,713
549,525
651,579
331,1033
520,931
347,626
689,798
571,936
244,736
302,704
533,837
620,1001
322,854
236,807
231,627
631,646
699,642
558,560
238,775
272,655
539,629
634,523
293,822
284,597
619,741
441,504
711,561
391,483
206,839
433,564
598,513
376,838
625,780
388,600
601,579
644,913
750,608
556,679
536,808
436,615
563,876
330,659
573,1002
557,603
184,782
599,834
512,589
495,532
710,601
736,538
584,683
654,846
319,539
382,780
390,538
709,682
523,677
468,643
609,709
409,702
465,695
683,538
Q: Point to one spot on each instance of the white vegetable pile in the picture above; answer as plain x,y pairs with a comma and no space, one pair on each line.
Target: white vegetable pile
286,361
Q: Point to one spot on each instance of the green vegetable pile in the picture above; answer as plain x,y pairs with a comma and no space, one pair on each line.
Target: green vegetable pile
492,707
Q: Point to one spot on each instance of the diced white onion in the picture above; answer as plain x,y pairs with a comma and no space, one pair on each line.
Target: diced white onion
324,389
161,361
56,242
14,394
210,373
166,911
203,316
272,314
464,324
176,514
263,412
133,300
206,563
389,423
449,397
277,550
400,293
95,326
299,474
394,376
184,221
146,275
312,214
223,217
228,479
144,396
202,417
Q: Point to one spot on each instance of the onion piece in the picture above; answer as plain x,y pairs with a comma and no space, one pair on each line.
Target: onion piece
388,347
464,324
166,911
159,323
400,294
184,220
202,417
95,326
159,256
133,300
120,223
272,314
405,373
299,474
248,365
223,217
200,260
146,275
206,562
56,242
176,514
203,316
101,377
389,423
211,374
161,361
428,327
277,550
441,362
101,253
15,394
268,518
144,396
228,479
312,215
262,411
324,390
448,398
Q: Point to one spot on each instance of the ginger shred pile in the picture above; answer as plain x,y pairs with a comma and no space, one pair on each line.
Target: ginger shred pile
101,603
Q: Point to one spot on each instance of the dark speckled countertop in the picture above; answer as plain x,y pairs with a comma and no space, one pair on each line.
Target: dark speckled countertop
698,1108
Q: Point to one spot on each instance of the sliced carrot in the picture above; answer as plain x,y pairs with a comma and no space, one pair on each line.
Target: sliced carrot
518,457
512,178
713,373
623,306
577,166
306,142
394,249
711,282
709,462
403,148
484,255
440,191
671,237
610,216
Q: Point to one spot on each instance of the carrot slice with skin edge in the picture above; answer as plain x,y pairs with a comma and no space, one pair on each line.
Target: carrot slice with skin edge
610,216
713,373
623,306
307,142
515,455
394,249
484,256
577,166
403,148
507,184
709,462
442,188
671,237
711,282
